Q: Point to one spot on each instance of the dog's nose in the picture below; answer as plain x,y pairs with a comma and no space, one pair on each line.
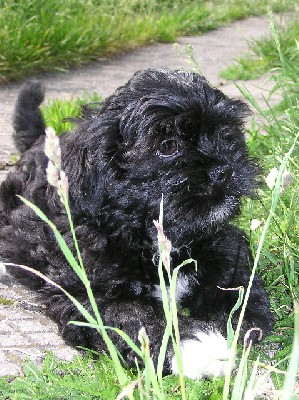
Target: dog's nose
220,176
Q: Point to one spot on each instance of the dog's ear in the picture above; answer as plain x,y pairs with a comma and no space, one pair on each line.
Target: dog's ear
88,155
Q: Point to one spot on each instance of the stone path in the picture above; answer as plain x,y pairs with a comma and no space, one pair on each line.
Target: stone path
25,332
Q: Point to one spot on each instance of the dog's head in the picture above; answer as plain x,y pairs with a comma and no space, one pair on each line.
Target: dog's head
164,132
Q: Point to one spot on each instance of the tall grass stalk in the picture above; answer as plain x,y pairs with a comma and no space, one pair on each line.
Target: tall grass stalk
230,330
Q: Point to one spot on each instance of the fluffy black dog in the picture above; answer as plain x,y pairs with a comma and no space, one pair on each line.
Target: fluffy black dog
164,132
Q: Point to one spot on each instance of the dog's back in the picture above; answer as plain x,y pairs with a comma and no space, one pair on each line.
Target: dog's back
28,122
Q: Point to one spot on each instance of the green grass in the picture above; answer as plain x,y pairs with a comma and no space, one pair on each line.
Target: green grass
81,378
59,113
55,35
86,378
263,56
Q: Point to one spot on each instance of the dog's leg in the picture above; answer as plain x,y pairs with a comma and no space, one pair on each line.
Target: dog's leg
207,353
225,266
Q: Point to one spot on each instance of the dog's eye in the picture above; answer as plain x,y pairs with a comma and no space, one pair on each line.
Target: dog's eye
168,148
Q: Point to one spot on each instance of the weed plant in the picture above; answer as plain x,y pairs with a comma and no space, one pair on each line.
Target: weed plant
54,35
275,245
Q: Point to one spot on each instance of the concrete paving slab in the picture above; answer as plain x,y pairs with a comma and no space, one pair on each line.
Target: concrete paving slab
26,332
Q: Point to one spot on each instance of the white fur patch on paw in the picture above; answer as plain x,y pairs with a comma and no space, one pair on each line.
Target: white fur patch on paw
207,356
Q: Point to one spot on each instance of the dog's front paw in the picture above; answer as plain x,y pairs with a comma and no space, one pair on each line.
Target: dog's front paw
203,357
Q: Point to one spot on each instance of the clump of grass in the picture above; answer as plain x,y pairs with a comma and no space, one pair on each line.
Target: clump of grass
56,35
82,378
59,114
263,55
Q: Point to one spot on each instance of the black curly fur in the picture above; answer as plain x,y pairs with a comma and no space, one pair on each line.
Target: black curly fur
164,132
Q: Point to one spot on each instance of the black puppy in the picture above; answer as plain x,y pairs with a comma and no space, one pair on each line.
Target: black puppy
164,132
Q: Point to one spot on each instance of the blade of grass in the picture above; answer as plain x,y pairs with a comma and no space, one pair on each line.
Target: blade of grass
293,368
230,330
240,380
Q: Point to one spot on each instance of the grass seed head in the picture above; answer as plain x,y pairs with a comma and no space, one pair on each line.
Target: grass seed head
164,245
52,174
52,147
63,187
